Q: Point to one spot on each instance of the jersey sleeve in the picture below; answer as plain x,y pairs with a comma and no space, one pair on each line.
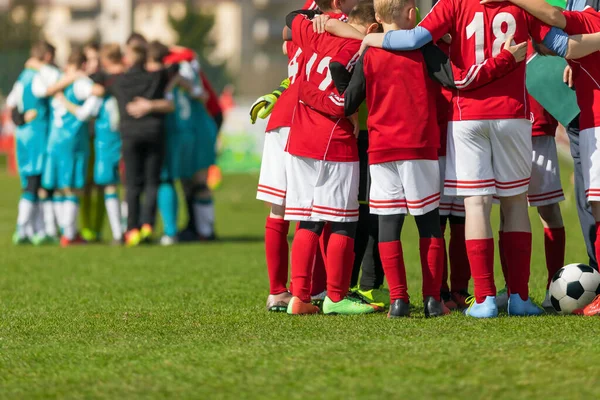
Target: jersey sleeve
303,34
440,19
481,74
82,88
342,66
326,102
576,23
356,93
537,29
89,109
15,97
46,77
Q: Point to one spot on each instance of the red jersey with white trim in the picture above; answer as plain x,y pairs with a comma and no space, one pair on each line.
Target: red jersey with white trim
314,134
586,70
310,5
479,32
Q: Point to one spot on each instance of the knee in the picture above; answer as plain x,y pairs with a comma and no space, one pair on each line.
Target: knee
201,191
277,211
390,227
428,225
34,186
551,215
110,189
344,228
480,204
313,226
512,204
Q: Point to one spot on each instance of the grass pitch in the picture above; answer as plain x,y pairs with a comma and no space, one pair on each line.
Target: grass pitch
189,322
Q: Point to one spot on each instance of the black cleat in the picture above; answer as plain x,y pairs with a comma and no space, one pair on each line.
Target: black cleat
399,308
434,308
187,235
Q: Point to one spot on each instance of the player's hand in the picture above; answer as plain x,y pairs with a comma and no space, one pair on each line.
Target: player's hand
139,107
372,40
518,51
568,76
447,38
30,115
354,119
491,1
319,23
262,107
59,96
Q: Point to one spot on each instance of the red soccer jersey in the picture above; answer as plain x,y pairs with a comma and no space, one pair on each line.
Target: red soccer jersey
544,124
310,5
479,32
586,70
314,134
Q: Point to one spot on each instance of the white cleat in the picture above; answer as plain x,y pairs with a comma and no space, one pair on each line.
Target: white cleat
168,240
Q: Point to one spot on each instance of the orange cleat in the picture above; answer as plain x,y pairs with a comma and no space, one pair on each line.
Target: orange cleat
65,242
298,307
593,308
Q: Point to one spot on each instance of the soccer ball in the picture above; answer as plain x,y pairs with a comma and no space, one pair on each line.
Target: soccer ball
573,287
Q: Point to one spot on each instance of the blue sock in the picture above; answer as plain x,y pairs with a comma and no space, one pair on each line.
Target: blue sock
167,205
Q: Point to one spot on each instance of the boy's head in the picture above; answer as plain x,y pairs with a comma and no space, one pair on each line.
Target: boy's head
344,6
92,53
401,13
76,60
136,38
43,51
157,52
110,54
135,54
362,17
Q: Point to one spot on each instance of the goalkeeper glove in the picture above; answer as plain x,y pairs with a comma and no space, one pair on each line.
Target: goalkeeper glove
263,106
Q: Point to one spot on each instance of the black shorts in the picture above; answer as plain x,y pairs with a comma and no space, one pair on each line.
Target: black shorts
363,158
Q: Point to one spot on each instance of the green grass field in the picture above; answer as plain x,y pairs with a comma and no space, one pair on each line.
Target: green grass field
189,322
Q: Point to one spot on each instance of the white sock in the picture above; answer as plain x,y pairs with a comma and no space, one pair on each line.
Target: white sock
70,210
49,221
114,215
57,204
25,217
204,218
124,214
38,219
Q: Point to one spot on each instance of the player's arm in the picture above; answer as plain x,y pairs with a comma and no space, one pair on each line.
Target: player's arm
336,27
263,106
540,9
356,93
14,102
188,79
289,21
582,45
326,102
87,110
141,107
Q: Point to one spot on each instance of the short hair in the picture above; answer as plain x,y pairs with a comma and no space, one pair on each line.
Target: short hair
389,10
77,57
324,5
111,52
39,49
136,38
363,13
140,53
157,51
92,46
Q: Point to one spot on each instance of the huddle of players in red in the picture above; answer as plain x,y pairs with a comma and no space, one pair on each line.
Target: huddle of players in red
310,170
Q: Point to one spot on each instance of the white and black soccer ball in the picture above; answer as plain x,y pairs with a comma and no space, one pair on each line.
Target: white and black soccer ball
573,287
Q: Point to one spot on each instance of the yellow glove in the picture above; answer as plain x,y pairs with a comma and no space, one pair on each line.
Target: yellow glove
263,106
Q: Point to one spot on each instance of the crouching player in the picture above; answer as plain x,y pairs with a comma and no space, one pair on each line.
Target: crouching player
403,157
68,148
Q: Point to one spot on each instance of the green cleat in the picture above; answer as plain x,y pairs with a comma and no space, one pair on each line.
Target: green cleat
376,297
347,306
19,240
89,235
43,240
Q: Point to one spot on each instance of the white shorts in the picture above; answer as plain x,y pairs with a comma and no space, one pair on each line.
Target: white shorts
402,187
321,190
589,148
545,187
488,157
449,205
272,184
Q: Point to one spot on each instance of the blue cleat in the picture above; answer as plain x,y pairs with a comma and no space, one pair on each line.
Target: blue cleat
520,308
487,309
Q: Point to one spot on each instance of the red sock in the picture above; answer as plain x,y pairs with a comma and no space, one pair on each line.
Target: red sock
481,259
445,287
597,244
460,270
432,264
393,267
554,244
277,254
501,243
517,252
304,249
340,258
319,277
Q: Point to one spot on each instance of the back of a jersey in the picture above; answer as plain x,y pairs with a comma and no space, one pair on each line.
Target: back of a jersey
29,101
478,33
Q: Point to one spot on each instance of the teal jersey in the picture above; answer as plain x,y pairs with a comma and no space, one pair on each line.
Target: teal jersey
37,129
183,111
108,137
67,132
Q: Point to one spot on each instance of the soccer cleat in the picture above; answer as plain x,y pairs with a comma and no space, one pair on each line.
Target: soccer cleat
146,233
89,235
347,306
66,242
376,297
42,240
168,240
298,307
486,309
399,309
117,242
20,240
317,299
133,238
460,298
593,308
519,308
278,302
187,235
547,303
434,308
502,299
448,301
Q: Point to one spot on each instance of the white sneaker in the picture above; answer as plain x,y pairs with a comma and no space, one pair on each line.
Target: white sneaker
168,240
547,304
502,299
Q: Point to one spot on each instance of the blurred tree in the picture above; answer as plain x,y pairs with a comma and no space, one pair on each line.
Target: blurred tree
18,32
193,30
